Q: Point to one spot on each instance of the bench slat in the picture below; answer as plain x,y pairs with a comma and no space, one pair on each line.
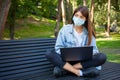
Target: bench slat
24,74
10,68
24,57
24,70
25,60
27,40
28,52
25,45
24,49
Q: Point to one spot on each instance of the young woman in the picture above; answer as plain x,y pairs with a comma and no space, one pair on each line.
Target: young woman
77,34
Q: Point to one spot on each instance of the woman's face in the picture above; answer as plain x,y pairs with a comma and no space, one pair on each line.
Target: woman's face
79,15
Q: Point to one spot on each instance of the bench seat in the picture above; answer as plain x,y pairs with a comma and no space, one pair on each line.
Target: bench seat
25,60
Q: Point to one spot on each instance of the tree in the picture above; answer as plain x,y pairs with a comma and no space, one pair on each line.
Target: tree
84,3
12,18
4,9
63,13
108,24
69,10
58,18
92,12
74,4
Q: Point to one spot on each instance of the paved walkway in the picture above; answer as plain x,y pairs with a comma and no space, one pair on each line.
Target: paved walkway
110,50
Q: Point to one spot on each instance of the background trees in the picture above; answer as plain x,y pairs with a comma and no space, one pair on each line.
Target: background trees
4,9
57,10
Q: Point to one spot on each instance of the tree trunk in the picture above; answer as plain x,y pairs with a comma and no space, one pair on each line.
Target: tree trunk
84,3
63,13
69,11
92,13
12,18
74,4
58,18
4,9
108,26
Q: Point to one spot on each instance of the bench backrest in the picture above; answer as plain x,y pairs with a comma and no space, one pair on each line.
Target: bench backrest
24,58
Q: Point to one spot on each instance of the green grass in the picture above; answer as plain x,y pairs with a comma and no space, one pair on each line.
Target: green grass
109,46
36,31
35,27
113,57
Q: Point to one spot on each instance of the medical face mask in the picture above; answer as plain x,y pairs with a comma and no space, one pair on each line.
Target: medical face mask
78,21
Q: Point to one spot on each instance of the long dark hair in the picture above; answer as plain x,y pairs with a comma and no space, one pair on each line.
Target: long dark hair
85,12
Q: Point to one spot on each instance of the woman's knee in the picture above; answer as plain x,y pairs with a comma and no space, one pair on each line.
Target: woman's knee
101,58
49,53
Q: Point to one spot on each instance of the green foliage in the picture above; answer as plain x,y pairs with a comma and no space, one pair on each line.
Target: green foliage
48,8
79,2
26,7
33,27
100,17
44,8
101,8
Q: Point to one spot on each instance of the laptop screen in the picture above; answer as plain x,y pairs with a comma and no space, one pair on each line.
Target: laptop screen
77,53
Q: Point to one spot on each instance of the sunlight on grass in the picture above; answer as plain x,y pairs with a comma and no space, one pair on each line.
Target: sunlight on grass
109,44
37,18
33,27
112,42
52,36
112,37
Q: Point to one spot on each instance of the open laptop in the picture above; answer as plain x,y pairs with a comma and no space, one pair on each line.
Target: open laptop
77,53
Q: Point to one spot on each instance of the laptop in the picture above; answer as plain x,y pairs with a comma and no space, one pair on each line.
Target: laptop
77,53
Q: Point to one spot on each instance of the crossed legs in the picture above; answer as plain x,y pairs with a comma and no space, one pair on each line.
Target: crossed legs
56,59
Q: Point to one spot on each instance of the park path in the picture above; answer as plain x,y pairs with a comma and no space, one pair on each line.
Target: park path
110,50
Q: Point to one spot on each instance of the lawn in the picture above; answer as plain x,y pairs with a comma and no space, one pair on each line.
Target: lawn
33,27
110,46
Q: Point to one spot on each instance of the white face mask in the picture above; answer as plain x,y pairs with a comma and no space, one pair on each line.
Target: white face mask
78,21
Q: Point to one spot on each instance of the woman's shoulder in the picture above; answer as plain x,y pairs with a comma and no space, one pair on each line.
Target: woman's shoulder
67,27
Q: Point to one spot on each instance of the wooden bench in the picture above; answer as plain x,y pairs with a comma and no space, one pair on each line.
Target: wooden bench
25,60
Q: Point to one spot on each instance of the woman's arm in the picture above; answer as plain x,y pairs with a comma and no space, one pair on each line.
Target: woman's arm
60,42
93,43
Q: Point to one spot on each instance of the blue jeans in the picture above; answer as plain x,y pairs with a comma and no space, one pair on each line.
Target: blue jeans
97,60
